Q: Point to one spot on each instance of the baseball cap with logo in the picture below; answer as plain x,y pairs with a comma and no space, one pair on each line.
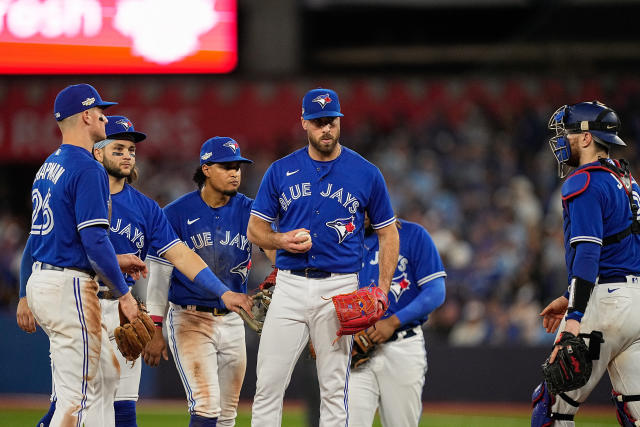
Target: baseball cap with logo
221,149
119,127
320,103
76,98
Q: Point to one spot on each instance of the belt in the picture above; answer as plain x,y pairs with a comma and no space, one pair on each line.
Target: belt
45,266
311,273
407,333
203,308
630,279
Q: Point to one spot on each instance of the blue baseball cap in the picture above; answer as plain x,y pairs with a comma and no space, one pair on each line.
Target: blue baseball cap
77,98
221,149
119,126
320,103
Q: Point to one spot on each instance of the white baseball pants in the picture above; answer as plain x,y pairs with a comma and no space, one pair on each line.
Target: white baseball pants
211,358
65,304
391,380
301,308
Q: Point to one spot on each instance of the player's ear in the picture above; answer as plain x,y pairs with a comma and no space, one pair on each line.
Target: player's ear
205,170
305,123
98,154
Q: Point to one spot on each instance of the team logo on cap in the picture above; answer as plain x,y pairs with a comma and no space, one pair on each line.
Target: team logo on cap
88,101
323,100
399,284
233,145
205,156
126,124
243,268
343,226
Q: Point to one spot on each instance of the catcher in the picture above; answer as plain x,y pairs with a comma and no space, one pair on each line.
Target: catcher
388,360
600,210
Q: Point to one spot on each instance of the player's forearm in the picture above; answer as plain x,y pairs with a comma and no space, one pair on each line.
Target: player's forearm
26,265
431,296
389,251
260,233
102,258
185,260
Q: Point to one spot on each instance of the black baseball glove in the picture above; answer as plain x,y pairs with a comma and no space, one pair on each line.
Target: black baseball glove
571,368
362,349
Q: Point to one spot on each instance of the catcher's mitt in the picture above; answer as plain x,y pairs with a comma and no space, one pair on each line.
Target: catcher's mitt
571,368
362,349
360,309
261,301
132,337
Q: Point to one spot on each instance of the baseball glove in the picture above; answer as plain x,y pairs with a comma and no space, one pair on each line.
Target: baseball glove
360,309
571,368
269,281
132,337
261,301
362,349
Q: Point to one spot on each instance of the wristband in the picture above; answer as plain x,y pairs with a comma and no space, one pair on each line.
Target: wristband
579,294
157,320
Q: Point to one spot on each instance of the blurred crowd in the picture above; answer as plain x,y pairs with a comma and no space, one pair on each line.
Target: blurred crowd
482,181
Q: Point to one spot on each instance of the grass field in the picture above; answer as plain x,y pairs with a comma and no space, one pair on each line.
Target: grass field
173,413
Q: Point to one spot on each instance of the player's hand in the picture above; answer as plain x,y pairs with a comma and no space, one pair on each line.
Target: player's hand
24,316
132,265
128,306
572,326
297,245
234,301
553,314
383,329
155,349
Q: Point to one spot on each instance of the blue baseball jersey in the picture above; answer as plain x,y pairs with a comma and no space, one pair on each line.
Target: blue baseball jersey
329,199
137,224
418,263
219,236
596,206
70,192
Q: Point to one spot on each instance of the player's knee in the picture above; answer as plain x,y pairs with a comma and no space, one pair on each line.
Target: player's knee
125,411
627,416
200,421
46,419
542,402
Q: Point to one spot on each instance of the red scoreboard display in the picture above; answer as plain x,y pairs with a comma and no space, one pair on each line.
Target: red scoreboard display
117,36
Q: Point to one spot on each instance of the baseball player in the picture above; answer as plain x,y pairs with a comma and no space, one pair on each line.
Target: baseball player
137,223
393,377
206,339
318,194
600,209
67,246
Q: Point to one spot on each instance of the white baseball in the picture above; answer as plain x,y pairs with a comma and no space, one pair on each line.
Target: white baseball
304,234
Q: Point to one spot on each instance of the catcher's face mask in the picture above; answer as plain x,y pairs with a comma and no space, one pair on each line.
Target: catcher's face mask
559,143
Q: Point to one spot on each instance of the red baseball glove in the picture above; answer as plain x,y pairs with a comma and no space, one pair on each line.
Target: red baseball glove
359,309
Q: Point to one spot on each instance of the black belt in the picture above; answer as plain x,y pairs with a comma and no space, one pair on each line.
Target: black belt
45,266
205,309
312,273
612,279
108,295
410,333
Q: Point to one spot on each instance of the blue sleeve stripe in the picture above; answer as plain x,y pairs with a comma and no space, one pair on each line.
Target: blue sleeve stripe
431,277
585,239
160,260
101,221
165,248
384,224
262,216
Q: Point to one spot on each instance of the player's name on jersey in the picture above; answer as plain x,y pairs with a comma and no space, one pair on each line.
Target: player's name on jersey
129,231
200,240
51,171
304,190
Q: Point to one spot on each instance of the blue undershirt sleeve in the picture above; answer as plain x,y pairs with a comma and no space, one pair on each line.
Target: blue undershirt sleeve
209,281
26,266
102,258
429,298
586,261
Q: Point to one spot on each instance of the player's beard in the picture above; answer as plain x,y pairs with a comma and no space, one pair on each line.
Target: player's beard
320,144
230,193
113,170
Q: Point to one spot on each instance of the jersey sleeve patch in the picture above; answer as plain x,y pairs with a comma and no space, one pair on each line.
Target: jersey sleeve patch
575,185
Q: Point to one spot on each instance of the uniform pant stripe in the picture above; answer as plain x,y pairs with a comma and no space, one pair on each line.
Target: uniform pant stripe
85,347
346,385
192,402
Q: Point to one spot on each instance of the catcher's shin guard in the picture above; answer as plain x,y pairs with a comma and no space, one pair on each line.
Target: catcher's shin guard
626,417
542,401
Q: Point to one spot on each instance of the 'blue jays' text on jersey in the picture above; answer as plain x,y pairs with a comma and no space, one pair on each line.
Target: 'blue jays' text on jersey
219,236
70,192
330,201
418,263
596,206
137,224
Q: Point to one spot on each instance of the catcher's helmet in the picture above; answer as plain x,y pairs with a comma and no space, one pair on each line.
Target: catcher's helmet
593,117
